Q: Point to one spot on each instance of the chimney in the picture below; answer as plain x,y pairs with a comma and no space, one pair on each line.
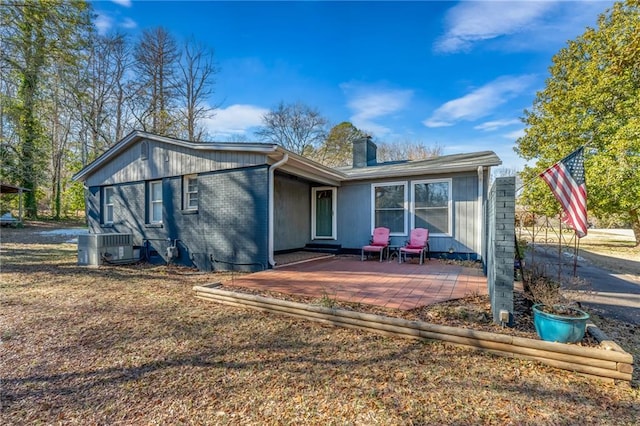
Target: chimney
364,152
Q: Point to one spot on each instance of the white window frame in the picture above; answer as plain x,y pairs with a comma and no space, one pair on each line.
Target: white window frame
449,181
153,202
334,221
405,205
187,195
106,206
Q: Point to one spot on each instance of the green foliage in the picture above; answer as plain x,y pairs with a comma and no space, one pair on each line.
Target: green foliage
591,98
36,35
73,198
337,148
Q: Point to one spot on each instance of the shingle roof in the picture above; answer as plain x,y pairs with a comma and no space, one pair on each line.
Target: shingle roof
430,166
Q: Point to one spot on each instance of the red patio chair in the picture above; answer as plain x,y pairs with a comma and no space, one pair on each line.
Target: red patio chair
418,244
379,243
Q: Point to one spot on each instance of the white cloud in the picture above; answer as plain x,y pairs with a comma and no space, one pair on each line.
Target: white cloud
103,23
497,124
235,120
123,3
516,134
128,23
370,103
480,102
471,22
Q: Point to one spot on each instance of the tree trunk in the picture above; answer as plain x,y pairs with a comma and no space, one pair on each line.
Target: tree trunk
34,38
29,142
635,225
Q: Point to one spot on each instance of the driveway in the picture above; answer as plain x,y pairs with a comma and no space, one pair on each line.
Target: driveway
614,295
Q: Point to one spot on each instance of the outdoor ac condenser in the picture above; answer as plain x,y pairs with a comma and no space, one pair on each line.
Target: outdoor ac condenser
99,249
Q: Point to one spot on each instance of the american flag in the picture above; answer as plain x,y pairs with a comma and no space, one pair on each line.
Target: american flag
566,180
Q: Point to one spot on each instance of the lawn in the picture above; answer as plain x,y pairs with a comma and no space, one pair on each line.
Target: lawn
613,250
131,345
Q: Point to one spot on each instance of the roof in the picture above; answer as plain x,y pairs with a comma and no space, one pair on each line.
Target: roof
301,166
136,135
431,166
11,189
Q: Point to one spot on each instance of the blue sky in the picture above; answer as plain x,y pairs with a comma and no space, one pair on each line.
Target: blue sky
453,74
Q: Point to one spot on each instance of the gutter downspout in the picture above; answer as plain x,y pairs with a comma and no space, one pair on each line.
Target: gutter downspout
272,168
480,210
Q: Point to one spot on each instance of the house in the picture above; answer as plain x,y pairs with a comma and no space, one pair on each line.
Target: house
233,205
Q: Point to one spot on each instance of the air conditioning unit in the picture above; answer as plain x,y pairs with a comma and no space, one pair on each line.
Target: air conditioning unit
99,249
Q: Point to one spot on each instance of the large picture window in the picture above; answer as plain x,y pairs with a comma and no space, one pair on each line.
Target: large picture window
389,206
107,205
190,189
155,202
432,206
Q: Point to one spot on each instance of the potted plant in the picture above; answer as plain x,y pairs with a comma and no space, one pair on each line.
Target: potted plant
555,318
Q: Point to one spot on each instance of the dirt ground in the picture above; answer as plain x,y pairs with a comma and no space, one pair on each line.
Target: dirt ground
131,345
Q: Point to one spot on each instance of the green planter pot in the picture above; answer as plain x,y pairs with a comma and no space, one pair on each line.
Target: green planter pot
560,328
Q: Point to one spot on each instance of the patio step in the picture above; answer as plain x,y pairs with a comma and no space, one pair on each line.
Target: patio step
323,248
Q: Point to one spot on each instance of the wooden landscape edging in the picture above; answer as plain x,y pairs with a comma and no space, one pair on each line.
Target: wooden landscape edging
609,362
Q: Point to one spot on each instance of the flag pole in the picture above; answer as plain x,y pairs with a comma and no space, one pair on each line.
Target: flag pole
560,248
576,249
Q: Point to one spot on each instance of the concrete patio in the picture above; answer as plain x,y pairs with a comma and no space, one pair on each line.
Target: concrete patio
389,284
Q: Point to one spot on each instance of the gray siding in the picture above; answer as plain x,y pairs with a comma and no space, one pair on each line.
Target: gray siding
465,217
230,225
165,160
292,212
354,214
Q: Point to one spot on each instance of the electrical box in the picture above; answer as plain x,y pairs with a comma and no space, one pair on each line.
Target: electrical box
100,249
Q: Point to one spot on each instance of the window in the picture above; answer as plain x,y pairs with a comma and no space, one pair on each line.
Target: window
432,206
107,204
155,202
389,206
144,150
190,191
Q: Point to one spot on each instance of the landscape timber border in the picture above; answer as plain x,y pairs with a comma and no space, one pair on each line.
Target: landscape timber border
609,362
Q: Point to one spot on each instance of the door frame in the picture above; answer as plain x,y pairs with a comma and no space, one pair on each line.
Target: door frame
334,201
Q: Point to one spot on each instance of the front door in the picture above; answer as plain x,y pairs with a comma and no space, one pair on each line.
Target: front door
323,211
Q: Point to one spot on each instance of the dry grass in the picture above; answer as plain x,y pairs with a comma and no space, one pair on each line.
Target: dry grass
613,251
131,345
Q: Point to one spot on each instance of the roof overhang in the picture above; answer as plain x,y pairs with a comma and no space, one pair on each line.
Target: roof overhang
457,163
137,135
300,166
11,189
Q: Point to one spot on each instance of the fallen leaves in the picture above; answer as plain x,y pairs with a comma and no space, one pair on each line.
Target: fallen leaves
131,345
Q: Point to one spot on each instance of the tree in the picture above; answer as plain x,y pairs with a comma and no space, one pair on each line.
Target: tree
337,148
58,124
195,86
296,127
406,150
100,99
36,34
156,58
592,98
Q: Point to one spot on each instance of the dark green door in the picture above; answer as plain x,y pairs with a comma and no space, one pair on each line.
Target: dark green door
324,213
